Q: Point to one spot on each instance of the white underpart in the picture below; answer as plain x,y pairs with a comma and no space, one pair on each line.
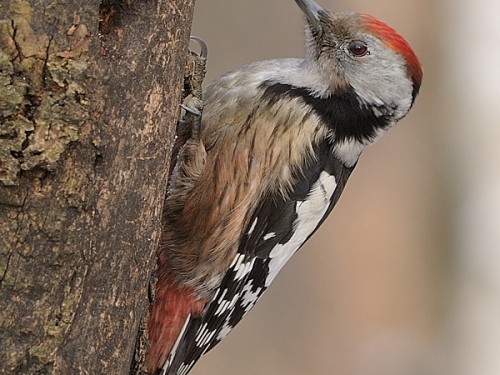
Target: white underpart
309,214
168,362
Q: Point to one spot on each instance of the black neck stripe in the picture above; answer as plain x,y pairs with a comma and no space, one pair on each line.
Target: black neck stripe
341,111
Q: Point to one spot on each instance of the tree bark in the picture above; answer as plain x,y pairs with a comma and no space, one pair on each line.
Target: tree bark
89,95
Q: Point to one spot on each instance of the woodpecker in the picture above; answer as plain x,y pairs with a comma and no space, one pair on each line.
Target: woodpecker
277,144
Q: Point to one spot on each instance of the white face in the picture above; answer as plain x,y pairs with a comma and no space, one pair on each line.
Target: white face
352,57
378,75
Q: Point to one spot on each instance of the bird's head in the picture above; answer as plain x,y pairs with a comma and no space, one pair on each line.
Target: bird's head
359,52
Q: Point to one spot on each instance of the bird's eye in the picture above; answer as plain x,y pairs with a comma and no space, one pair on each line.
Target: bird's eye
358,48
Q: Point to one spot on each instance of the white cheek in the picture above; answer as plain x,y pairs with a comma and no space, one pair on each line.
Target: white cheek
382,81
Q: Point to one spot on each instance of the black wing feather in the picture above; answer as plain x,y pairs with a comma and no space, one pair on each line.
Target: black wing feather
276,214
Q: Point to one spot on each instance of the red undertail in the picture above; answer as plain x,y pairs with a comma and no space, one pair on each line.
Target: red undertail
167,316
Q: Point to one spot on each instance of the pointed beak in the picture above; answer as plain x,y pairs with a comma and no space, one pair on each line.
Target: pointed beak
311,10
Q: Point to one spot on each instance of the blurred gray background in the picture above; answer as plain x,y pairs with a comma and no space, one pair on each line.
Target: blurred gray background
404,277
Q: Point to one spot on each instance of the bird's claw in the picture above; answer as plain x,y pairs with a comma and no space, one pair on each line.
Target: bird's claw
203,47
192,105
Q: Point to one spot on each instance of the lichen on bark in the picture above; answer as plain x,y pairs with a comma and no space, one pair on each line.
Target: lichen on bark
86,123
42,94
43,109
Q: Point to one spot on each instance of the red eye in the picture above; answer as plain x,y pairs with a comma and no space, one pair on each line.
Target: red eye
358,48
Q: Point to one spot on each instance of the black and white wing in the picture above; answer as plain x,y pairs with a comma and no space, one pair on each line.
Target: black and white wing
278,228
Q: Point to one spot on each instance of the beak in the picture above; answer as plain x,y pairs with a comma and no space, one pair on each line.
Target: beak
311,10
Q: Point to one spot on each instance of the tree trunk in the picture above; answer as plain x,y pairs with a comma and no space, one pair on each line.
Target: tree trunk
89,95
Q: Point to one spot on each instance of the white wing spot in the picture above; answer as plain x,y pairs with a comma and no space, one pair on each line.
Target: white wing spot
253,226
224,331
309,214
237,261
269,236
222,295
244,269
221,308
208,337
249,297
184,368
201,332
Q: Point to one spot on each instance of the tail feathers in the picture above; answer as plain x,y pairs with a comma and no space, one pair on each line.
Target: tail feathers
181,360
167,366
169,316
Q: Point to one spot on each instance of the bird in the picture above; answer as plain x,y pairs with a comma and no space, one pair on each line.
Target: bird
276,143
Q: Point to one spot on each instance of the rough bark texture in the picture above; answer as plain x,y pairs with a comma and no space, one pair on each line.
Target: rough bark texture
89,94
